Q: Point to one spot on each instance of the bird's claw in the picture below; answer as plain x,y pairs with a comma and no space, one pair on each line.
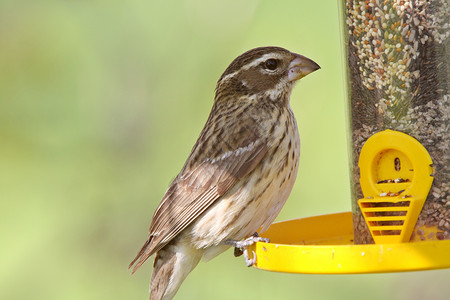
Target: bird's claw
249,261
240,247
247,242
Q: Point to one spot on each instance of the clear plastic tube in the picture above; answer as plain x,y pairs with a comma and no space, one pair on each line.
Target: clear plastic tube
397,63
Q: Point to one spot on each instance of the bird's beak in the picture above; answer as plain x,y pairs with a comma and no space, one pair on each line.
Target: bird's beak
301,66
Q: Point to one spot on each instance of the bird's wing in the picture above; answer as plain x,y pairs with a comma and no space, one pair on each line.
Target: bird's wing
199,185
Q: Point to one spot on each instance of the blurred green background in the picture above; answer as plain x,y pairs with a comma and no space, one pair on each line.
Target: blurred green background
100,104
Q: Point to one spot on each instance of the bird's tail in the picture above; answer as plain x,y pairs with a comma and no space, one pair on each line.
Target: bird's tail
171,266
145,252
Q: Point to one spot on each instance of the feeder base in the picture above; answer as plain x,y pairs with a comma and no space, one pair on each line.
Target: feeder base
324,245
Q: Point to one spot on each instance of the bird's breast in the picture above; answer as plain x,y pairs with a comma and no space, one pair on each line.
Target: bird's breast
255,201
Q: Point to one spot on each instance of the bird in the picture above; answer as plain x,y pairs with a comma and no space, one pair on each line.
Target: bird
238,175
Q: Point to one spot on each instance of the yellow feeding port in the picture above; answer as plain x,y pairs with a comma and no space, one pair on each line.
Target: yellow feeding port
396,176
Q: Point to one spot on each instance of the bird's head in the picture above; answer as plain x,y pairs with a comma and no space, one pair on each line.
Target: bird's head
267,71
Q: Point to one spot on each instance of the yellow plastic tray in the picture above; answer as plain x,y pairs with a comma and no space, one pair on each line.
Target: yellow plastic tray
324,245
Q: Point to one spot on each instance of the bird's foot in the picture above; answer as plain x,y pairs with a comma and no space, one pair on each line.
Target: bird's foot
240,247
247,242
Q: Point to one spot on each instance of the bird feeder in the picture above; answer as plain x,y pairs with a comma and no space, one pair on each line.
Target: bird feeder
397,72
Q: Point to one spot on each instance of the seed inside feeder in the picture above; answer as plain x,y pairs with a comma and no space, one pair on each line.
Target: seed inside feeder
398,77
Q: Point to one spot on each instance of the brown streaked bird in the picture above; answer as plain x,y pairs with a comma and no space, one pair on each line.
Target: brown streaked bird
239,174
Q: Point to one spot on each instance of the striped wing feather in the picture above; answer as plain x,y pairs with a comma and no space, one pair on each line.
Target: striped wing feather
196,188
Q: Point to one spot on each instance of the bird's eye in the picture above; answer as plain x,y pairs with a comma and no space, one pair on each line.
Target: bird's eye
270,64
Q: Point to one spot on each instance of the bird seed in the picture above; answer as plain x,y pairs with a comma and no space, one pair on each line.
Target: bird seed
398,75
